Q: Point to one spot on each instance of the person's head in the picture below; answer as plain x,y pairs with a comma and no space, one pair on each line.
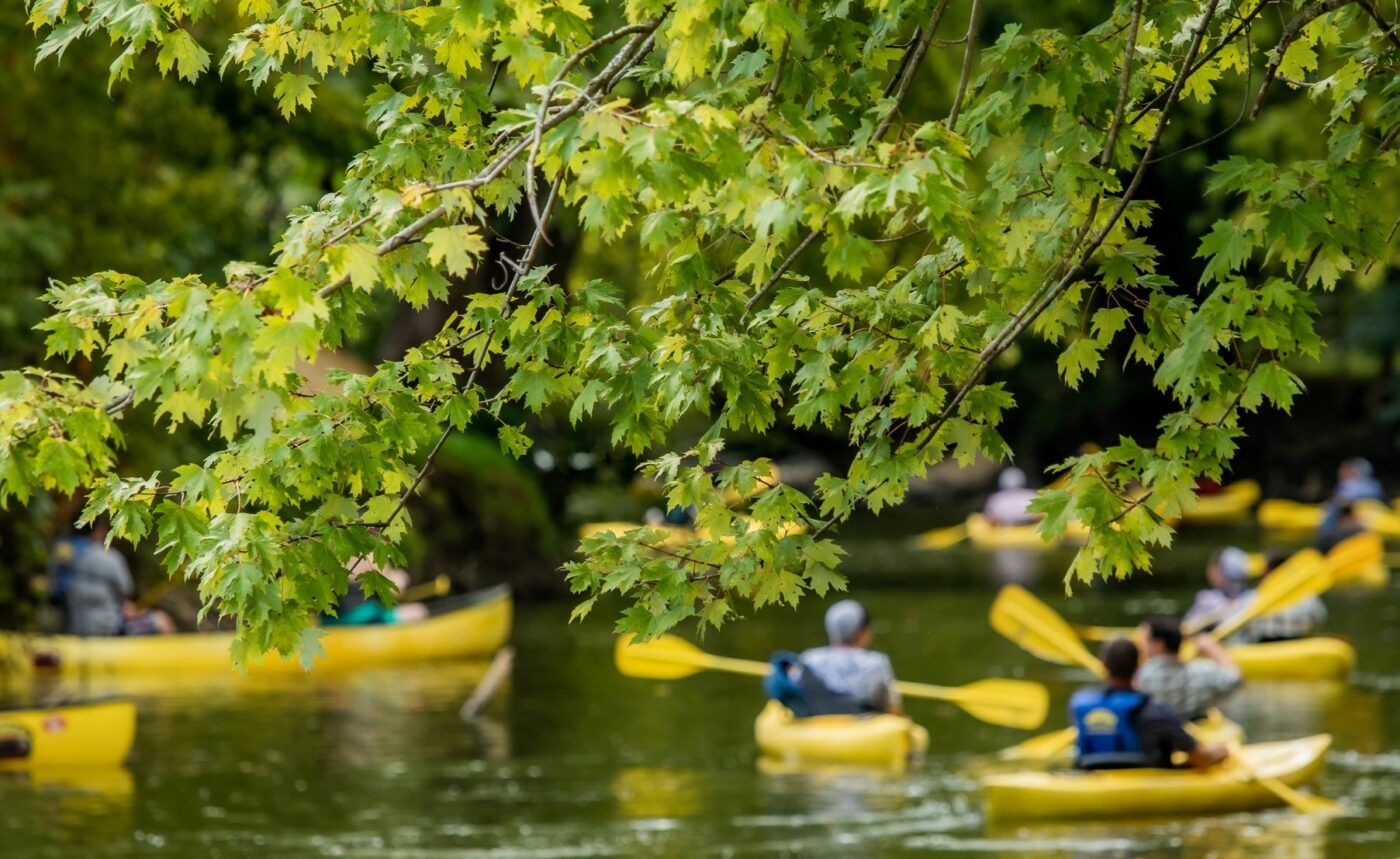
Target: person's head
1228,570
1355,468
848,624
1120,657
1161,634
1011,478
96,530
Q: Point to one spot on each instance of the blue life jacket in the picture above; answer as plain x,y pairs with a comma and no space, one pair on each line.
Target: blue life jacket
1104,719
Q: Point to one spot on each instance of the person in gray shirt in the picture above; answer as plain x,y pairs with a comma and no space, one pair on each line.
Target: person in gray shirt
847,666
99,596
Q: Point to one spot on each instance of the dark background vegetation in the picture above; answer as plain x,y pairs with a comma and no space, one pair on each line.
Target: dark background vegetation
164,178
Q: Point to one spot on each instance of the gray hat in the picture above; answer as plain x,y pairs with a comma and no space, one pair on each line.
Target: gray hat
1234,564
844,622
1011,478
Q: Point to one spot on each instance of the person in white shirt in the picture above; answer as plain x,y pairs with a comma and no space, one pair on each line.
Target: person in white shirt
1007,506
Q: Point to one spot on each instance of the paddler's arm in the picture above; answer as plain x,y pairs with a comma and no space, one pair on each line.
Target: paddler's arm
1230,677
893,703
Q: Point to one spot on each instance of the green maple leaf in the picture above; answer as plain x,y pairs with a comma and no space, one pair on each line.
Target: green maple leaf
455,248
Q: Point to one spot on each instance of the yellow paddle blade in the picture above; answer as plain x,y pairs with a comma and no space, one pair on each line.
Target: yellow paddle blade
1303,803
1044,747
1304,575
665,657
1013,703
942,538
1035,627
1355,556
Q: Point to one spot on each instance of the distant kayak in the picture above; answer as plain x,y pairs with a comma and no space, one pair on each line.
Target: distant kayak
99,734
1317,657
1143,793
1230,504
981,532
473,625
880,740
1280,514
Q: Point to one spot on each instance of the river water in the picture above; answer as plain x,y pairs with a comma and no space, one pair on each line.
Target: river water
573,760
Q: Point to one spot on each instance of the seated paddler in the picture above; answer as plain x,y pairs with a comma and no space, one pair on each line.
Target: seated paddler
1120,727
845,677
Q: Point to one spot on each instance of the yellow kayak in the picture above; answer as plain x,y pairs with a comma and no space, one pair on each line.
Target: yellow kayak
476,624
880,740
1231,504
678,536
79,735
1139,793
985,534
1314,658
1280,514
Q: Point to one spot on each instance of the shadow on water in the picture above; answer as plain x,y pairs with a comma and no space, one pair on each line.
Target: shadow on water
572,759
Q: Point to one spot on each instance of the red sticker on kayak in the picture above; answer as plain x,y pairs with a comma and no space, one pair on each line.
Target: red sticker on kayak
54,724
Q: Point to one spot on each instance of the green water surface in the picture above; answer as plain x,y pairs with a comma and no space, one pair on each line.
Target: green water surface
572,760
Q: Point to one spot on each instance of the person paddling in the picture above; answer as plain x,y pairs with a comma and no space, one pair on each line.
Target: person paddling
1120,727
845,677
1190,688
1228,574
1007,506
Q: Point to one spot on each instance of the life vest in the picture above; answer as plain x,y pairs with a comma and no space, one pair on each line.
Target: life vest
793,685
1107,737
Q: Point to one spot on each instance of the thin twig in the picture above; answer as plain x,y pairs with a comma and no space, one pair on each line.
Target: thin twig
909,69
966,75
778,274
1291,31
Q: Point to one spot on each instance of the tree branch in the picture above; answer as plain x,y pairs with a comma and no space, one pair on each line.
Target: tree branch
910,68
965,77
1291,31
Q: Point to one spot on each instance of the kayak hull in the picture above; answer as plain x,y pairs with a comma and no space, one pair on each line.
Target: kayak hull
1315,658
985,534
880,740
477,628
1231,504
1280,514
1142,793
99,734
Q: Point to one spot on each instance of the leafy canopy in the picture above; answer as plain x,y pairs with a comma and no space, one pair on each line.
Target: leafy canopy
848,213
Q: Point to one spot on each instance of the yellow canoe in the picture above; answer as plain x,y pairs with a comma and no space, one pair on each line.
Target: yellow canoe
1314,658
1231,504
475,624
985,534
80,735
678,536
1280,514
880,740
1140,793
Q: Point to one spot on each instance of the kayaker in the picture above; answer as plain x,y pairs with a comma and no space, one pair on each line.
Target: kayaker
1007,506
98,596
1119,727
845,677
1300,620
1228,574
1343,526
357,608
1190,688
1356,481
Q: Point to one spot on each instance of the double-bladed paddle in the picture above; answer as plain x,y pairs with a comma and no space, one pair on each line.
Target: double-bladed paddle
1014,703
